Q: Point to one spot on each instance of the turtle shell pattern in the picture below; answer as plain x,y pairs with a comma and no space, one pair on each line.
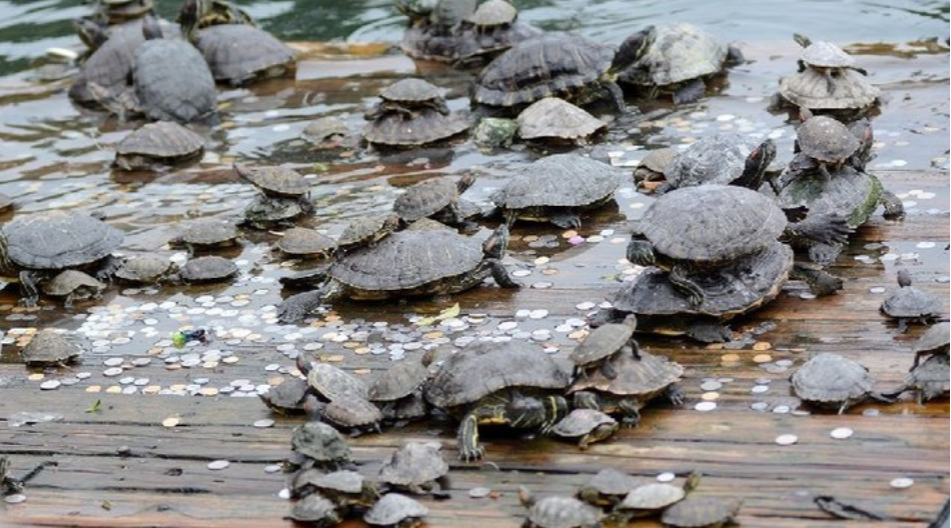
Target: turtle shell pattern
427,126
601,343
680,52
58,240
173,82
826,55
493,13
304,241
238,53
850,192
276,181
68,281
352,411
320,442
49,346
333,383
145,269
911,302
646,376
317,509
560,180
364,229
809,89
558,119
831,378
398,381
426,198
209,232
717,159
653,496
162,141
580,422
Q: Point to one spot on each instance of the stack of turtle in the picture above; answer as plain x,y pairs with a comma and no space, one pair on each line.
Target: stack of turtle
488,32
338,398
411,113
929,378
439,199
284,196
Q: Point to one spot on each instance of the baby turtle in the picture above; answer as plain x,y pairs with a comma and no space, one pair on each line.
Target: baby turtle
156,145
648,499
395,510
287,397
367,230
347,489
50,348
558,512
322,444
832,381
601,345
489,31
316,510
909,304
208,269
398,385
585,425
498,383
438,197
653,167
349,412
825,142
275,182
267,213
607,487
572,67
415,467
326,133
929,379
145,269
721,159
305,243
553,120
639,380
74,286
681,57
557,189
408,96
701,512
40,244
331,383
937,340
206,233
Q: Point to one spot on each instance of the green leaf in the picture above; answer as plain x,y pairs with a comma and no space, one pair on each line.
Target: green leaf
448,313
95,407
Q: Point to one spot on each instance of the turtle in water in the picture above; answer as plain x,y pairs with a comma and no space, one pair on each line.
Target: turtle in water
74,286
832,381
416,467
720,159
587,426
396,510
909,304
237,53
367,230
438,198
679,60
316,510
146,269
569,66
305,243
50,347
208,269
607,487
408,264
206,233
602,344
557,122
412,112
557,189
322,446
41,244
653,167
156,145
489,31
326,133
433,34
558,512
275,182
266,213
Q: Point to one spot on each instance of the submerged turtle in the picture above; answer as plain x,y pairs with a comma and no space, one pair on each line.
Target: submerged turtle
306,243
568,66
321,444
909,304
50,348
208,269
206,233
408,264
316,510
937,340
489,31
681,57
145,269
638,381
265,213
832,381
438,197
394,509
498,383
40,244
557,189
165,143
74,286
556,121
558,512
602,344
721,159
607,487
585,425
275,182
415,467
367,230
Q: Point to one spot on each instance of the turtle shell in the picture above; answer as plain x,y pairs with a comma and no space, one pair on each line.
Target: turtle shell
646,376
428,224
852,193
911,302
351,411
275,181
287,397
317,509
324,130
322,443
658,159
300,241
717,159
239,53
680,52
57,240
267,210
333,383
563,512
826,55
367,229
398,381
426,198
552,64
937,337
580,422
483,368
493,13
831,378
725,222
426,126
49,347
826,139
560,180
610,481
602,342
810,89
654,496
146,269
209,232
697,512
413,91
553,118
477,43
393,509
210,268
931,377
173,82
68,281
165,142
414,464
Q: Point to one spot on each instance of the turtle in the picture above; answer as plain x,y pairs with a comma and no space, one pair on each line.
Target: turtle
437,197
287,397
653,167
305,243
557,189
237,54
909,304
406,97
498,383
585,425
326,132
275,182
73,285
50,347
556,121
397,511
408,264
602,344
415,467
146,269
214,12
607,487
929,378
648,499
569,66
825,58
118,11
330,383
428,224
493,132
936,340
831,381
433,34
161,144
172,79
316,510
367,230
825,142
720,159
348,412
206,233
412,128
639,380
345,488
266,213
680,58
557,511
490,30
208,269
322,445
697,511
399,386
44,243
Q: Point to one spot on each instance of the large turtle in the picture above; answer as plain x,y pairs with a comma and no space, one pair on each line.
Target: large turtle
909,304
156,145
555,121
44,243
412,112
832,381
721,159
498,383
678,61
566,65
556,189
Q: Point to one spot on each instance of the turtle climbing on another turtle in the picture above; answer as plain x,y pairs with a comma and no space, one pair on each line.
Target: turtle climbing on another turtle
936,340
367,230
287,397
417,468
720,159
602,344
412,112
321,445
909,304
492,29
302,242
438,198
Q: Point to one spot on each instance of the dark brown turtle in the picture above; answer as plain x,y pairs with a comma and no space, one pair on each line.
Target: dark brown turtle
206,233
587,426
555,121
275,182
558,512
157,145
438,197
321,444
50,348
208,269
415,467
305,243
367,230
607,487
909,304
287,397
832,381
74,286
316,510
697,511
146,269
601,345
396,510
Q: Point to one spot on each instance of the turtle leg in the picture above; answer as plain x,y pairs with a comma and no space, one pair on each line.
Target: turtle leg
894,209
690,92
108,268
664,188
296,307
501,275
902,325
640,251
468,438
566,219
675,394
31,294
820,281
607,369
707,331
612,92
826,228
586,400
734,55
68,301
679,280
631,412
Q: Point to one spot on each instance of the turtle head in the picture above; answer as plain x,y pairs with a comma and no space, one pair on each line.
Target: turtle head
465,182
693,481
151,28
632,49
91,32
525,497
804,114
535,412
496,244
756,164
640,251
630,321
189,16
904,278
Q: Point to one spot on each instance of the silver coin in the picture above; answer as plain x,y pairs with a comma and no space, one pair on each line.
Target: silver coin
112,372
16,498
705,406
901,483
708,386
841,433
218,464
786,439
479,493
266,422
666,476
50,385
